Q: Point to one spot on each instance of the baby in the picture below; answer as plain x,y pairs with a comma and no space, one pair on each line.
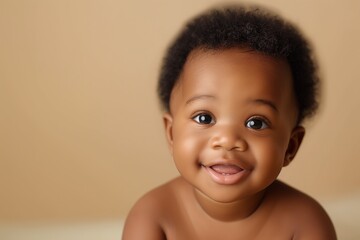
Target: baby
235,85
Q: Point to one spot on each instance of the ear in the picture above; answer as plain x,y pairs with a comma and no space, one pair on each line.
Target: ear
168,123
296,138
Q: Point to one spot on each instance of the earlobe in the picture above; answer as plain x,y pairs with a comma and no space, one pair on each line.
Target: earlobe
168,121
297,136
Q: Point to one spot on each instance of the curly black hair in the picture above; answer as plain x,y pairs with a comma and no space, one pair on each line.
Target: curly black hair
251,27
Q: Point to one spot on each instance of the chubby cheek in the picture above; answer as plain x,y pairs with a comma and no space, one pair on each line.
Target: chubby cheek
269,158
187,149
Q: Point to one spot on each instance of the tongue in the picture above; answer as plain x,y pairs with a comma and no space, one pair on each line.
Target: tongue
226,169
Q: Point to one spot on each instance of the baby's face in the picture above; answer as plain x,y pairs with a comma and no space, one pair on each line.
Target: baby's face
231,126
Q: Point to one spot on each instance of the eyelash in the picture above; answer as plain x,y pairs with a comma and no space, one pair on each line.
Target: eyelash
198,118
263,120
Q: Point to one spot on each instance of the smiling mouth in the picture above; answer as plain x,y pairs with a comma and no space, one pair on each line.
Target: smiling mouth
226,169
225,174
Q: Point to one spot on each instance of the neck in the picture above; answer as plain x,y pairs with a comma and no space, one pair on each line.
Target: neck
231,211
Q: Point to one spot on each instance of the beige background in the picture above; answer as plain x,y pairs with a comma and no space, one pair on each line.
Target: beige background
80,127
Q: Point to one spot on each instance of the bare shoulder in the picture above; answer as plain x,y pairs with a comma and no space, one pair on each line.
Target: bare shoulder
146,218
307,217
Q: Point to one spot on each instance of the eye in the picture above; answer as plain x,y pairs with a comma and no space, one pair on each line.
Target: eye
204,118
256,123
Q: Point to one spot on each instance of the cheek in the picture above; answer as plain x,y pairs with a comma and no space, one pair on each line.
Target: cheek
187,145
183,144
270,153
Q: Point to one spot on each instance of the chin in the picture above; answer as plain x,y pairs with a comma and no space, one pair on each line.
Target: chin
223,194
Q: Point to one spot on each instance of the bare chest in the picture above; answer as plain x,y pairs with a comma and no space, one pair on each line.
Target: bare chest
263,229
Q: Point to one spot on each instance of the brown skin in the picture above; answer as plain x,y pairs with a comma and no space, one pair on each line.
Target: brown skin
231,129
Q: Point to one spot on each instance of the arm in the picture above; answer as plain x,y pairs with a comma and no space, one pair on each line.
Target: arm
306,217
142,222
316,225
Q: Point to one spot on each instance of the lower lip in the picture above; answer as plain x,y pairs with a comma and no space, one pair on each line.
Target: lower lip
225,179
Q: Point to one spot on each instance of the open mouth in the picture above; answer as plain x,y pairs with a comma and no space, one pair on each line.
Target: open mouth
226,169
225,174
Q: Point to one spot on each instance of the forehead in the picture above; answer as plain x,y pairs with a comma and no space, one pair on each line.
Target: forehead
204,67
242,72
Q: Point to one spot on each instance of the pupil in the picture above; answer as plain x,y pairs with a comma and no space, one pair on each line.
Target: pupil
205,119
255,124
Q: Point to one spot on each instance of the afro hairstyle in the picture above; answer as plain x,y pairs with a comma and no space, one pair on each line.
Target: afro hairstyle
240,26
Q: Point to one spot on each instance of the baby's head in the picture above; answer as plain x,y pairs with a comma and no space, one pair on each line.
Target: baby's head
236,84
248,28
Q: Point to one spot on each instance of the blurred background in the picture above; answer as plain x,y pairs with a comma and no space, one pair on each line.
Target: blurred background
81,136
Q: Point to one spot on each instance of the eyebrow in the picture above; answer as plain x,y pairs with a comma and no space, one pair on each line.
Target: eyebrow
197,97
266,102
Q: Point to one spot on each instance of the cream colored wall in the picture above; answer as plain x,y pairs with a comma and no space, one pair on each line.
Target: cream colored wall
80,128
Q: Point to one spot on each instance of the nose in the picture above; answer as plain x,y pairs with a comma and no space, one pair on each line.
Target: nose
229,139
